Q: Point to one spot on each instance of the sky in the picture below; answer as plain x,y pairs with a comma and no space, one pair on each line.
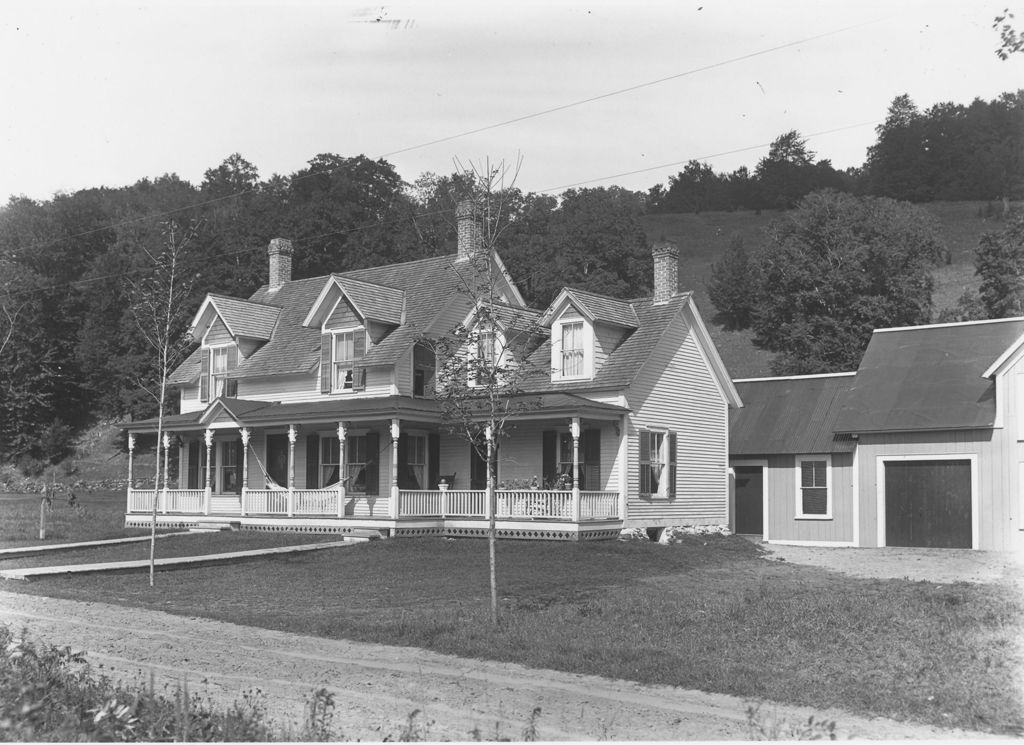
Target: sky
585,94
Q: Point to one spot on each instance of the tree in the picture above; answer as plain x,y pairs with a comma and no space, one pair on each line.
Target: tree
999,261
592,239
159,306
789,172
483,363
835,269
733,286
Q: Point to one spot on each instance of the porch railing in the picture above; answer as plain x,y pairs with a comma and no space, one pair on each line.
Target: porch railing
315,502
598,505
527,503
265,502
534,503
141,500
187,501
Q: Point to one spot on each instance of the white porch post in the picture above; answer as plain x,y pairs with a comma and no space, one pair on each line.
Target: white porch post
490,496
395,432
246,434
342,436
574,428
293,435
131,474
622,430
208,488
167,451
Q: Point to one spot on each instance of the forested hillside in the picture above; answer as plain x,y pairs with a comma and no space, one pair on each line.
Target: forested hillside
71,352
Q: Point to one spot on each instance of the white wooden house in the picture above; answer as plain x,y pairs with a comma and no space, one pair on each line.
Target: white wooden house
309,406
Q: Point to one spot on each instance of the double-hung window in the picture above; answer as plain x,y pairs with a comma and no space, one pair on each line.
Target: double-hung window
814,492
348,350
486,357
356,461
416,461
657,464
329,462
572,349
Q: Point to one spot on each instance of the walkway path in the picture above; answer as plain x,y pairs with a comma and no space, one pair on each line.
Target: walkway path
26,573
376,686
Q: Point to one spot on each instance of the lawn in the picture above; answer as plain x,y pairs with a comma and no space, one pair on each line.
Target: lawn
94,516
705,614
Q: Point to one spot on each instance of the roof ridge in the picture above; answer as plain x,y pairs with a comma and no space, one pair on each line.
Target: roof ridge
948,325
794,377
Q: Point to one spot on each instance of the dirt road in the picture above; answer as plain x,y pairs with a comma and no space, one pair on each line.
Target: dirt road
376,687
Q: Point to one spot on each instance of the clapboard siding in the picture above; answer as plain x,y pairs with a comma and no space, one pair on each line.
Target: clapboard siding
343,316
782,478
676,390
606,338
218,334
403,373
290,389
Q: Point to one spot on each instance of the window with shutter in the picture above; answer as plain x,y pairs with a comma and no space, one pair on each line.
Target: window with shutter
652,463
814,492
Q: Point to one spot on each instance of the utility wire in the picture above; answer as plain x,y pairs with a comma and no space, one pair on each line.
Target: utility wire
485,128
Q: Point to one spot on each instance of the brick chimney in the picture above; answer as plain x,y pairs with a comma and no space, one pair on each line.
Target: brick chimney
666,271
280,252
467,215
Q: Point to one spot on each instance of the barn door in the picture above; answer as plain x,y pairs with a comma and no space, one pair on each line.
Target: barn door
928,503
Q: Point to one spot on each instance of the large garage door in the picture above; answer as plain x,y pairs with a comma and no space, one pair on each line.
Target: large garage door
749,499
928,503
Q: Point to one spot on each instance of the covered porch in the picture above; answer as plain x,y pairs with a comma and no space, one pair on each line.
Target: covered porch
385,464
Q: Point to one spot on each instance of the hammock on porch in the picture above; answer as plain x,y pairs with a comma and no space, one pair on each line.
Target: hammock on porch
271,484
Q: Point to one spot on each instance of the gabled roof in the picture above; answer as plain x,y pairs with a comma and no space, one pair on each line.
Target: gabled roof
928,377
428,286
791,415
593,307
373,302
622,365
243,318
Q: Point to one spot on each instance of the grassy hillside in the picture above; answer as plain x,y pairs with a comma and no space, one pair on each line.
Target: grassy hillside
702,238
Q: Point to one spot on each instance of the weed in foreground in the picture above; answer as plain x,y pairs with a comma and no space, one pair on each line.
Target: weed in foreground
761,727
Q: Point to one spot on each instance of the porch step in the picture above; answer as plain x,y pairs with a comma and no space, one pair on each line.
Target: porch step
215,527
362,536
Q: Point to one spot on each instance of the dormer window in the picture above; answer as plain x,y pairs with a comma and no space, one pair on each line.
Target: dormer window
486,356
572,349
349,348
216,363
218,371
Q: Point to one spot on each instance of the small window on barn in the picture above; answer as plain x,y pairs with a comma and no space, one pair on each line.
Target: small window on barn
814,487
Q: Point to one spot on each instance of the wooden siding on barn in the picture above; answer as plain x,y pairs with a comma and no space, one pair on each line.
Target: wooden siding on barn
676,390
782,477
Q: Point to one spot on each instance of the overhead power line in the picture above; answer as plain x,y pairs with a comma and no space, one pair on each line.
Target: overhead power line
496,125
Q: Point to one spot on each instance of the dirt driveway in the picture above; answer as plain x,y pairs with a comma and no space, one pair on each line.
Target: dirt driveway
376,687
941,565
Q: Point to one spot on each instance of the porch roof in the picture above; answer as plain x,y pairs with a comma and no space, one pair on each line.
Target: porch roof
267,413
